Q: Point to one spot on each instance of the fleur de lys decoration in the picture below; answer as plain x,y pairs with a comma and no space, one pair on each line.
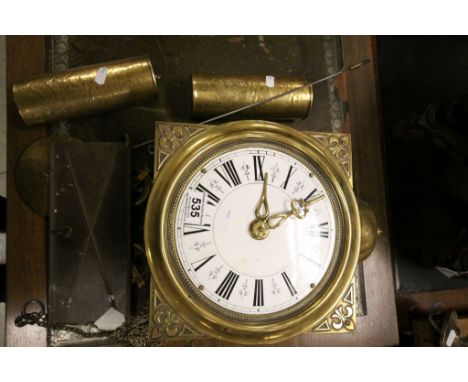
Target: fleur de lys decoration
342,318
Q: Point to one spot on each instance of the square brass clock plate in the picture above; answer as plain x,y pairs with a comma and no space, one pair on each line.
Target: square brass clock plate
165,325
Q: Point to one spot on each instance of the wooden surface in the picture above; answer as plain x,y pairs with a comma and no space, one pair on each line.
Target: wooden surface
26,246
26,272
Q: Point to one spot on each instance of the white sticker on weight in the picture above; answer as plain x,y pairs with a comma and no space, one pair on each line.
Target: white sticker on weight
270,81
101,76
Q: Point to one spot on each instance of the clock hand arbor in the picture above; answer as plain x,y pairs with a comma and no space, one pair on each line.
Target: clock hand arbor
259,229
299,208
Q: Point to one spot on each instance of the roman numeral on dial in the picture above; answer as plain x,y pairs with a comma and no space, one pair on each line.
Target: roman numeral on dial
291,172
212,198
258,166
228,284
200,263
227,170
291,288
311,194
320,230
190,229
258,293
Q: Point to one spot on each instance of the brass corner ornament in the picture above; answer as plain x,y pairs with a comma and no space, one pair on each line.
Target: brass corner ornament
339,146
343,317
169,137
164,324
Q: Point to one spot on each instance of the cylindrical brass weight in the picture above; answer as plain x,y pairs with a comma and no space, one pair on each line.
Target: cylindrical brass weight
213,95
85,90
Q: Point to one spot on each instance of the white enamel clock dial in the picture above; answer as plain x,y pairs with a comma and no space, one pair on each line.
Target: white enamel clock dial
216,251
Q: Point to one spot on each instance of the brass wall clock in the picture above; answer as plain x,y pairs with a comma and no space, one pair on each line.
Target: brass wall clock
252,231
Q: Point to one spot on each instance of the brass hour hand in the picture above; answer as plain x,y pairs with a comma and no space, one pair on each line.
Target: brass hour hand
259,228
263,202
299,208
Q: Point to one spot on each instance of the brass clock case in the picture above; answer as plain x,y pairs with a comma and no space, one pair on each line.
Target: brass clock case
167,280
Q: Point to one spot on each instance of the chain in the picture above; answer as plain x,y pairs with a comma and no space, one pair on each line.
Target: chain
31,318
133,332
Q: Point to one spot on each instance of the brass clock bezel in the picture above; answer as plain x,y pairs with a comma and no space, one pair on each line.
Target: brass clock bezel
175,293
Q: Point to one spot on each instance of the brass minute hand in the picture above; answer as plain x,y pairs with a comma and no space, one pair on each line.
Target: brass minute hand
299,208
263,202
